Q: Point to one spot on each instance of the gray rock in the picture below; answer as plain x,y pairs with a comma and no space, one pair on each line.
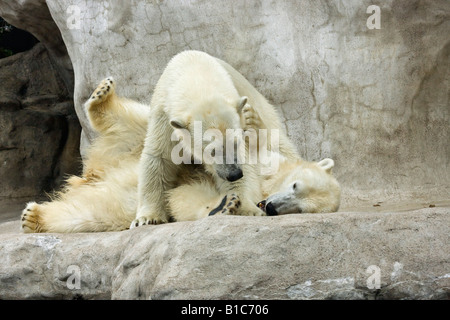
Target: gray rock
34,17
39,132
322,256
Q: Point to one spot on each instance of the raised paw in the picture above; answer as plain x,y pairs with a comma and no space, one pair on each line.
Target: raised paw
228,206
251,117
30,221
104,90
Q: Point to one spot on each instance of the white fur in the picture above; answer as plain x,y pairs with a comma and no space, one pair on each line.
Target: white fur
105,197
303,187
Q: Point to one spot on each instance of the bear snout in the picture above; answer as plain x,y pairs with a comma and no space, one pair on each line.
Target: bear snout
270,209
235,175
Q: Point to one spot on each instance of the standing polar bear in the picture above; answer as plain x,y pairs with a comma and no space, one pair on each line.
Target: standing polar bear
194,94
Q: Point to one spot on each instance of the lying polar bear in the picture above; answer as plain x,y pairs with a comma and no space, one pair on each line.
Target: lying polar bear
105,197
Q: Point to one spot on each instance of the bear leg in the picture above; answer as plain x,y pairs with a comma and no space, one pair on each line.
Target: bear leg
101,105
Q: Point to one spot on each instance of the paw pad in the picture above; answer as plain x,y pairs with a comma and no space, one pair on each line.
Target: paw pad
228,206
103,90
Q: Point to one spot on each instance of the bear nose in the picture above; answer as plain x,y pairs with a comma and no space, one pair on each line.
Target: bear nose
270,209
235,175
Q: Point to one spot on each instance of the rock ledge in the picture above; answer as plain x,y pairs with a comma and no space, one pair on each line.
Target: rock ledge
322,256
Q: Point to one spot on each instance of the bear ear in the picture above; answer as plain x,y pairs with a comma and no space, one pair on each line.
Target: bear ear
326,164
241,103
178,124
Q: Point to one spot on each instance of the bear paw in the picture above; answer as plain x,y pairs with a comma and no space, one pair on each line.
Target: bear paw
105,89
251,117
228,206
146,220
30,220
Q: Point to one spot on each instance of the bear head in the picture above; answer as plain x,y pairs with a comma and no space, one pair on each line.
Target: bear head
210,134
307,187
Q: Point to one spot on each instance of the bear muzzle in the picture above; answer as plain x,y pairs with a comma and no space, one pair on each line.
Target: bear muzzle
270,209
235,175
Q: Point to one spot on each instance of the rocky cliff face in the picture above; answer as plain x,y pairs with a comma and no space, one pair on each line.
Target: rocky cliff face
39,132
34,17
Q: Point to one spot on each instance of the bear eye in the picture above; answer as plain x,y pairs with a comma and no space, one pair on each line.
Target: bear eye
294,186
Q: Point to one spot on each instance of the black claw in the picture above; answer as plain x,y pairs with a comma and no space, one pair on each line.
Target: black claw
219,207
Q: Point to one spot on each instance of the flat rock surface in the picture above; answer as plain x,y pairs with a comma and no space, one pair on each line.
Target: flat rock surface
345,255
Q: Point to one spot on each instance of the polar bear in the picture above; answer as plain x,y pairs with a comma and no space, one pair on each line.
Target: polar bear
298,187
105,197
193,89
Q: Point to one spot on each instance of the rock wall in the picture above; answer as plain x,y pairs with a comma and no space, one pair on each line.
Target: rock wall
34,17
375,100
39,132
